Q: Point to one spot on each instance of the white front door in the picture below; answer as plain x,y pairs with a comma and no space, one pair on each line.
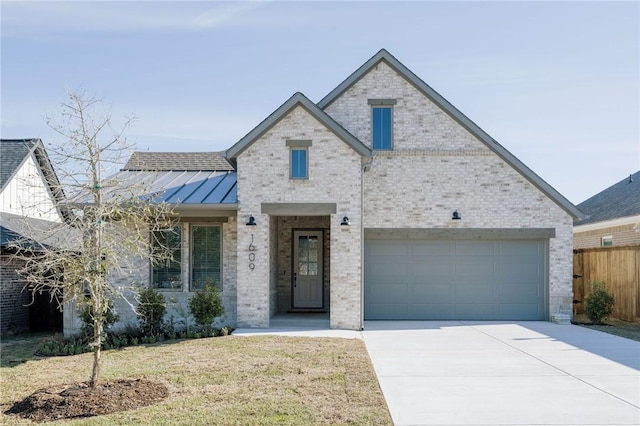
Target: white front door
307,269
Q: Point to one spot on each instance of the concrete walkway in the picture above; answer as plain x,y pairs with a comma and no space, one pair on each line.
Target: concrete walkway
489,373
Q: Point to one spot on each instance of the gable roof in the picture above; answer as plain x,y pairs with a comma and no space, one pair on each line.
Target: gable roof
386,57
298,99
15,152
178,161
618,201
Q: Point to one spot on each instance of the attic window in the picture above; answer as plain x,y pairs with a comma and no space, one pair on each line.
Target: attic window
299,159
382,123
607,241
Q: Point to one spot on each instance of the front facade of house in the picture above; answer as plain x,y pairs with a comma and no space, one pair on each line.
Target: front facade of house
381,201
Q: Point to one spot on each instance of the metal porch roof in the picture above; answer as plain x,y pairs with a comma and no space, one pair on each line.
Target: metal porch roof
184,188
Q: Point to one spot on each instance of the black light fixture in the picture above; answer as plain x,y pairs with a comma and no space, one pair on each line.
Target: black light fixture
345,221
456,215
252,221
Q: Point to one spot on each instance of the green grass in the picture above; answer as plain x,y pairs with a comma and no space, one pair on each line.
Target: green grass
229,380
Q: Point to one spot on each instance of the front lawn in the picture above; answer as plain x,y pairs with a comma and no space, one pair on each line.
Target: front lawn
230,380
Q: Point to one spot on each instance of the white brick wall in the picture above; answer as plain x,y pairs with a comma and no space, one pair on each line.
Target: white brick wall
437,167
263,177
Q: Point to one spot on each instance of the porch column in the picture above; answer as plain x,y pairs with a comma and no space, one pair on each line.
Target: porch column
253,269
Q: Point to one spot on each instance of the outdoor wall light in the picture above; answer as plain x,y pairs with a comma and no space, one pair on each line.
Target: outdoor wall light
345,221
252,221
456,215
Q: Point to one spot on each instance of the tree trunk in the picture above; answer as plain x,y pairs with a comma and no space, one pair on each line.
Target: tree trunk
97,342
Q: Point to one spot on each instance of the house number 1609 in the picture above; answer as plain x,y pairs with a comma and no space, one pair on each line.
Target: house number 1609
252,255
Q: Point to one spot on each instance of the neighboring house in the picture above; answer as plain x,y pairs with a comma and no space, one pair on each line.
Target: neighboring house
612,217
381,201
29,196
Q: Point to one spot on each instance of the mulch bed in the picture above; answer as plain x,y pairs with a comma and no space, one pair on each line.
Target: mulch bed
80,400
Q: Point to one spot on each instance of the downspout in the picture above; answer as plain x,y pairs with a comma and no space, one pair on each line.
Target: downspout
365,167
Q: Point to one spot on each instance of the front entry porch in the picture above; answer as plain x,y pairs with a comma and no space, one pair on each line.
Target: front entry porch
303,253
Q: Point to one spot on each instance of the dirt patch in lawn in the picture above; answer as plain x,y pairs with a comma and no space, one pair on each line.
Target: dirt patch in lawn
629,330
80,400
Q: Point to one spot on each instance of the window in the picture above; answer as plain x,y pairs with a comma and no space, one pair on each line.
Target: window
299,159
382,123
299,163
206,256
167,273
607,241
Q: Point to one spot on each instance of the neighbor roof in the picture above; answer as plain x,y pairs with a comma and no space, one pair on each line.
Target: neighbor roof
298,99
386,57
178,161
13,154
35,234
617,201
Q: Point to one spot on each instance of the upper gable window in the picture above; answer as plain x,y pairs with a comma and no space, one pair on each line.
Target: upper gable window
299,159
382,123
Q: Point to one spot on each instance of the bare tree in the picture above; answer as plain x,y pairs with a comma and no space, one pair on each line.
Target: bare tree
108,221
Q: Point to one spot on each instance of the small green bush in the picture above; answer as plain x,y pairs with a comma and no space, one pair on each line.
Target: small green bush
150,311
206,305
598,304
86,316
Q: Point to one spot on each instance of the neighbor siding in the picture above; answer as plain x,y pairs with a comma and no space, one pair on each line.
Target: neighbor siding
624,235
28,195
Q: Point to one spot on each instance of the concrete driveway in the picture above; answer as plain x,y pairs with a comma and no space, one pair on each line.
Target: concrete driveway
490,373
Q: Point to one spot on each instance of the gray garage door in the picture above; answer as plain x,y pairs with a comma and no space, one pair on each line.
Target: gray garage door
474,280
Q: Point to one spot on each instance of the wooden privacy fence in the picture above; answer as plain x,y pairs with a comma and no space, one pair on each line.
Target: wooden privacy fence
619,268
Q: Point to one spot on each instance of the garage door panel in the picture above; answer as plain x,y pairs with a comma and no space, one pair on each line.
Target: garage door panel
474,248
474,310
516,248
381,270
431,310
524,311
437,292
474,292
519,270
431,269
475,269
431,249
480,280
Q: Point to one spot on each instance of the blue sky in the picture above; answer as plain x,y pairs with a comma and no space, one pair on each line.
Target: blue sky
556,83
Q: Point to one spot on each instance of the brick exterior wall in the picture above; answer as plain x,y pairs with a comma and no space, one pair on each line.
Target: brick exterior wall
139,275
624,235
437,167
263,177
14,315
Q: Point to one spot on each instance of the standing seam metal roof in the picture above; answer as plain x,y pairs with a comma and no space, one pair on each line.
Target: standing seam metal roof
185,188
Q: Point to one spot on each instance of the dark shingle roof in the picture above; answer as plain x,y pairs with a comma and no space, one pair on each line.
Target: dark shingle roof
12,154
35,234
178,161
617,201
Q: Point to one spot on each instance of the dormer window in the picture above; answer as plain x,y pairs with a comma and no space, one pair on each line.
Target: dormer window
382,123
299,159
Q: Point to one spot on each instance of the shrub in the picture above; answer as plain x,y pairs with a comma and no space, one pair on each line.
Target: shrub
86,316
206,305
599,302
150,311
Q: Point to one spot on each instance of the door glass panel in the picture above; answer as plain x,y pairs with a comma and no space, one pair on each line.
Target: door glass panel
313,268
302,268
